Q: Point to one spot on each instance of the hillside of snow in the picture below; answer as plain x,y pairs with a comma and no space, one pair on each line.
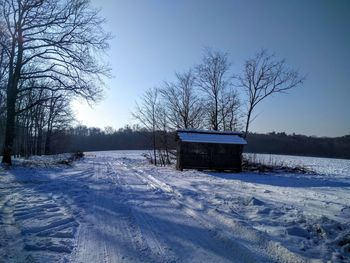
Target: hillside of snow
115,207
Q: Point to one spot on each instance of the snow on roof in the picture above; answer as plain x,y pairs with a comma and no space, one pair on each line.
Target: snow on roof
210,132
211,137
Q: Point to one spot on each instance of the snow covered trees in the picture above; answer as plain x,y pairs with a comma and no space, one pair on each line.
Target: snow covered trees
50,48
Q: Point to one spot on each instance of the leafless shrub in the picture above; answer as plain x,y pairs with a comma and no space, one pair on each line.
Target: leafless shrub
252,163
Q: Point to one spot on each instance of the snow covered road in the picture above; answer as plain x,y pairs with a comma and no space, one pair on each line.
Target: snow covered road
132,219
114,207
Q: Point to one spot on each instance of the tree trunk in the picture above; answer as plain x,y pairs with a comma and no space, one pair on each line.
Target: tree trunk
216,126
154,147
10,125
247,124
12,87
48,142
39,141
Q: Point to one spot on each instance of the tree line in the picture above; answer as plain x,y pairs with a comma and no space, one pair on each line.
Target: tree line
82,138
50,52
294,144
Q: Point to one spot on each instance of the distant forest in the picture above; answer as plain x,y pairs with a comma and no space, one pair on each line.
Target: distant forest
94,139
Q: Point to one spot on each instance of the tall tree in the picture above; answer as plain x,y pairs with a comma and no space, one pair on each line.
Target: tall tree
162,122
264,75
147,112
55,41
183,104
229,115
214,79
58,116
4,43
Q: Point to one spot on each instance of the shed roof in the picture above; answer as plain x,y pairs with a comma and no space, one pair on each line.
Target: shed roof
200,136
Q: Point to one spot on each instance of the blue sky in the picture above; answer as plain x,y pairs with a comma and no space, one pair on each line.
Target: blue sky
153,39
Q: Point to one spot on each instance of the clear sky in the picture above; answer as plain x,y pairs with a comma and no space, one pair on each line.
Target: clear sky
155,38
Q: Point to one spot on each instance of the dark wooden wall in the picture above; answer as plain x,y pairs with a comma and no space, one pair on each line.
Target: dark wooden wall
209,156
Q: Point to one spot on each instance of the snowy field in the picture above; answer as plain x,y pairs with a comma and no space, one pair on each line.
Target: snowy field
115,207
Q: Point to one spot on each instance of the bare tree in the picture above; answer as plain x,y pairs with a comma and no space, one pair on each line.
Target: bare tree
264,75
162,122
39,112
184,106
108,130
56,41
3,66
213,78
29,122
229,115
58,116
146,113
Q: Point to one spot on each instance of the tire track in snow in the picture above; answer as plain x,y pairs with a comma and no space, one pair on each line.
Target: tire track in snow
223,227
109,232
235,251
150,244
40,222
12,242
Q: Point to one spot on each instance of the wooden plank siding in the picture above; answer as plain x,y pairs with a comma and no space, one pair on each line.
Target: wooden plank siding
211,156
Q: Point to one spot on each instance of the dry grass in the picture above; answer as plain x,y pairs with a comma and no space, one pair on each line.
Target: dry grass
252,163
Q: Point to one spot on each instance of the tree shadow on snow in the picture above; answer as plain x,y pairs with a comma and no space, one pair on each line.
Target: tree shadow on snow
141,211
289,180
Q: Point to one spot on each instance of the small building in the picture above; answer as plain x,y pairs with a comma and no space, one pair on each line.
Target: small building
212,150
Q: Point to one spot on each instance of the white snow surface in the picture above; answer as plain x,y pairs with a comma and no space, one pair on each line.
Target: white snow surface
115,207
211,138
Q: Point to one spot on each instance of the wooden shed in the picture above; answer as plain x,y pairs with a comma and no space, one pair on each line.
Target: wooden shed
212,150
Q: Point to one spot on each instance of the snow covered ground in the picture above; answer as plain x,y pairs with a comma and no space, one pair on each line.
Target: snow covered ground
115,207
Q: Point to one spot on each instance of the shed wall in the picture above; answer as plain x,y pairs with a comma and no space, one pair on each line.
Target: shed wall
209,156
